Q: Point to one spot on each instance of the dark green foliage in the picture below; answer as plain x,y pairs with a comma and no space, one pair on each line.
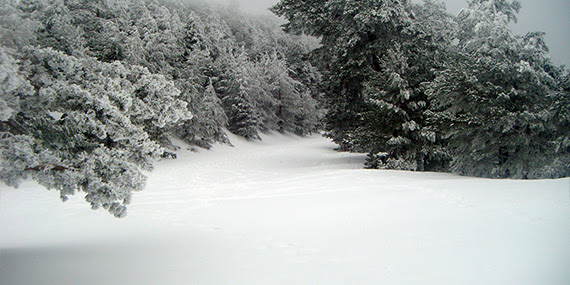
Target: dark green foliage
421,90
242,119
376,56
496,98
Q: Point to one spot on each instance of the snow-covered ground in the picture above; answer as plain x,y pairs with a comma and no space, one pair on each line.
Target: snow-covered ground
291,210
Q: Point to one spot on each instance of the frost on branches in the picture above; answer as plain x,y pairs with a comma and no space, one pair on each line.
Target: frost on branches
92,91
85,127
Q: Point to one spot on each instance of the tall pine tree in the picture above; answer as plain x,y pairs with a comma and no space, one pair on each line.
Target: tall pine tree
494,100
376,55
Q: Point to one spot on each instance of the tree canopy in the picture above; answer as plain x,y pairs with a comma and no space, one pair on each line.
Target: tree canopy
92,92
419,89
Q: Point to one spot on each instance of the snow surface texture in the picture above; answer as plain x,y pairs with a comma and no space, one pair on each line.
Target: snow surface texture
291,210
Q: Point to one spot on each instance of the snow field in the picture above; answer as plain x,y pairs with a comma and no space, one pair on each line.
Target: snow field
290,210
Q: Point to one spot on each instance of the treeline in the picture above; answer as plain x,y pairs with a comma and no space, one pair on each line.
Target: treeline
92,92
420,89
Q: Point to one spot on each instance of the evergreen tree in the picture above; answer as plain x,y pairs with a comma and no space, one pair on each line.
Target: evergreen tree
13,86
242,95
58,30
494,98
243,120
376,56
92,91
17,31
206,126
296,111
84,128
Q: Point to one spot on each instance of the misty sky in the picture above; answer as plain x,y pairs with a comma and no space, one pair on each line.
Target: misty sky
550,16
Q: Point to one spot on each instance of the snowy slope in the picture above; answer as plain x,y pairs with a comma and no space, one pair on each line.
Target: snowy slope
291,210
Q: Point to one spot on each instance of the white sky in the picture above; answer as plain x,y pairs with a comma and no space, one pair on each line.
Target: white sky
550,16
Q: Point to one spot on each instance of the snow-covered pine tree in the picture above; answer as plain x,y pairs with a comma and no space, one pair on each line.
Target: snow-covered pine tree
58,30
100,31
195,68
16,31
243,97
560,142
296,110
107,81
242,119
198,54
376,55
13,86
83,128
344,76
206,126
158,104
494,98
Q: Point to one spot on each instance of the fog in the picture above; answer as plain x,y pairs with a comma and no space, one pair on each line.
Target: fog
552,17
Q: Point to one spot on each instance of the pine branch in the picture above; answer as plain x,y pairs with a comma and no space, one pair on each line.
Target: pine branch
50,167
11,126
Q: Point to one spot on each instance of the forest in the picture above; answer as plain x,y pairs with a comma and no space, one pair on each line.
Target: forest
93,93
